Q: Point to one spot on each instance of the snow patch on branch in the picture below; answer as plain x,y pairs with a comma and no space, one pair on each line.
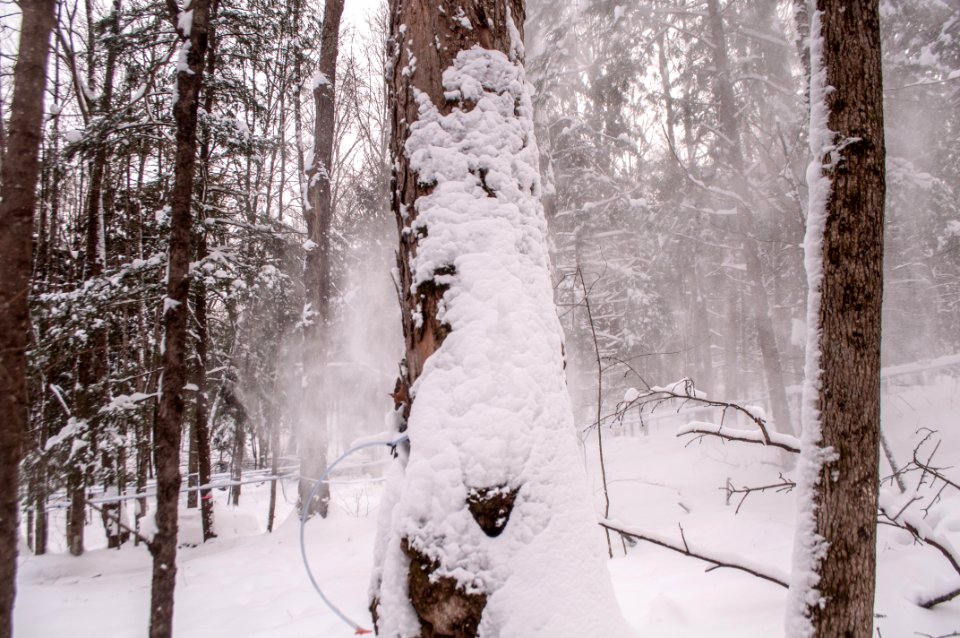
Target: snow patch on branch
736,434
320,79
185,23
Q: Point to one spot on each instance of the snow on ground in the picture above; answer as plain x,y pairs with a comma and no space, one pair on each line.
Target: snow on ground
248,583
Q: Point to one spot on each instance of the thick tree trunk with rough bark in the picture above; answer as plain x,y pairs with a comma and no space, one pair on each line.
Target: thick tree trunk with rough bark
318,274
17,200
835,552
475,498
170,418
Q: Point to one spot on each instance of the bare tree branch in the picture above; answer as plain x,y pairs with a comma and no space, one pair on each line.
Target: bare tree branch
716,562
919,530
785,485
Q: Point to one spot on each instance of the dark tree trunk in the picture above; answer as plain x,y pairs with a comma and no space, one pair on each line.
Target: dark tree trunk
17,201
275,464
193,458
169,423
201,428
318,274
41,520
76,513
236,461
837,531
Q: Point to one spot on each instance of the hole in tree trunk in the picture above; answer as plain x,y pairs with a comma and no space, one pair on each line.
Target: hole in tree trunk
491,507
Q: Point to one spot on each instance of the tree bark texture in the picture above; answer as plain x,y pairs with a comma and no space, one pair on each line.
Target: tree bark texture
841,474
427,39
169,423
17,201
430,63
318,274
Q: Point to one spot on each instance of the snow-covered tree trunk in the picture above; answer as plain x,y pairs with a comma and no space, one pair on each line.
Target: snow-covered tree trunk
486,528
832,589
18,183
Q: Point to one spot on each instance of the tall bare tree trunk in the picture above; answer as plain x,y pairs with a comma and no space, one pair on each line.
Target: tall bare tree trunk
318,274
169,424
91,364
466,199
835,549
17,200
733,155
201,428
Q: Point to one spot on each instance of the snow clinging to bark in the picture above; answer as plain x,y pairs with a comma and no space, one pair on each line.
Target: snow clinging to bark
491,407
809,547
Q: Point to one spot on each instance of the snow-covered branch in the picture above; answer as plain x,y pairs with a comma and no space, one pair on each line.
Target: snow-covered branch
763,437
683,391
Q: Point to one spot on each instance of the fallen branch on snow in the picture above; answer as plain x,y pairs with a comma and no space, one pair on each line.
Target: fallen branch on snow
115,518
923,533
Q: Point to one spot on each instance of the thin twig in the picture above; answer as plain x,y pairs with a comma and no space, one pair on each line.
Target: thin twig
596,349
785,485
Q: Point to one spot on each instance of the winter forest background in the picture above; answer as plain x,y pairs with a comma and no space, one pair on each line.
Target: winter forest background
677,306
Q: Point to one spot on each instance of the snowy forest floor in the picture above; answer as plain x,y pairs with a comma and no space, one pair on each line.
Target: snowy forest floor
249,583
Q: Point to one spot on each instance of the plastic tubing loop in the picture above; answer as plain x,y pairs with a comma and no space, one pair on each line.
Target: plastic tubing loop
303,525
